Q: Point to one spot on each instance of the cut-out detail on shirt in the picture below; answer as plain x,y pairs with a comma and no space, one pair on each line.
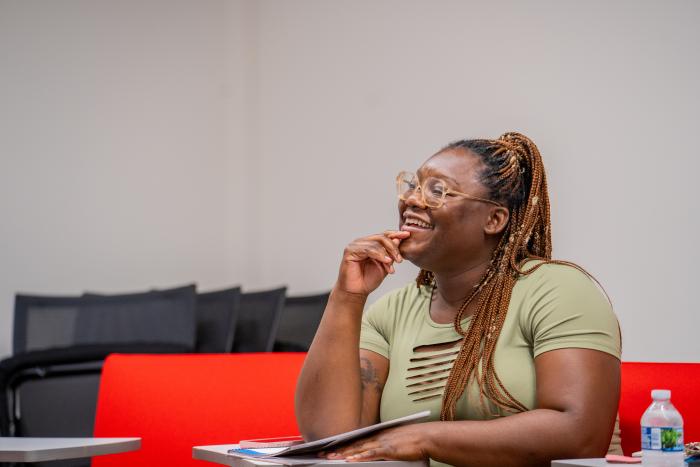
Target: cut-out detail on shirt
427,398
446,354
428,389
436,347
429,369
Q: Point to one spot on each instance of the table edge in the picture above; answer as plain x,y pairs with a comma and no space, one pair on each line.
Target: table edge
115,446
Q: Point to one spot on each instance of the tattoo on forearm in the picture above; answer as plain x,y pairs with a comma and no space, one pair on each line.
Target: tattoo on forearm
368,376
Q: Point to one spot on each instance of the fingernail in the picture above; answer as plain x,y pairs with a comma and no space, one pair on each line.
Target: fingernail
387,258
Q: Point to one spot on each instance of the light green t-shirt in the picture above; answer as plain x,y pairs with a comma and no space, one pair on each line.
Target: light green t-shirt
554,307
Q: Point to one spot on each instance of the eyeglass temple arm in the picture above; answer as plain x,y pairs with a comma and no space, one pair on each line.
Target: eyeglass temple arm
495,203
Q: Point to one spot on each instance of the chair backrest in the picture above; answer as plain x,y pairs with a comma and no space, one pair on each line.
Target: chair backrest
176,402
298,323
258,318
638,379
166,317
217,314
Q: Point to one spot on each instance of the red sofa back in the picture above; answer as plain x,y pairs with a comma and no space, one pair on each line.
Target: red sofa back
638,379
175,402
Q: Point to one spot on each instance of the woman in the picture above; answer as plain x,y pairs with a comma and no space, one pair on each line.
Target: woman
516,355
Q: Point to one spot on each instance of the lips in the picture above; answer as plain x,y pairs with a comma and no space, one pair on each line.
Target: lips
415,223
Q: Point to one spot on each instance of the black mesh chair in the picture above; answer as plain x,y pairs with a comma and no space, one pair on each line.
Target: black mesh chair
45,395
165,316
49,387
299,321
258,318
40,385
217,313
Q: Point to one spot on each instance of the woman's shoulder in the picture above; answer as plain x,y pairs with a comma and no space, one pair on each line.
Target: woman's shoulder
548,286
537,273
560,305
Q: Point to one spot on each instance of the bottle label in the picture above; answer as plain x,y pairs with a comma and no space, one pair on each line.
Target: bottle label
664,439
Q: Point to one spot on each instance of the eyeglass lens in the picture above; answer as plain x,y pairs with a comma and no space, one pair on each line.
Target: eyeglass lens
432,189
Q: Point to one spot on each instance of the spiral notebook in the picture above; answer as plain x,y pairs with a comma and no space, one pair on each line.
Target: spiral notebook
294,446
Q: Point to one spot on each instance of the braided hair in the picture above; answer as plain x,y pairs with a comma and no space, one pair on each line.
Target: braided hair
514,175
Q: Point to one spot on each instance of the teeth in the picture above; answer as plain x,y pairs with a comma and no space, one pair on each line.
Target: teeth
422,224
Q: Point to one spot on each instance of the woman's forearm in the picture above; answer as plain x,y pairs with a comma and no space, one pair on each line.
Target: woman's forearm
328,396
530,438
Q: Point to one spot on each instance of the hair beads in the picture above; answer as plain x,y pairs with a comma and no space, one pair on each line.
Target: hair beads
514,175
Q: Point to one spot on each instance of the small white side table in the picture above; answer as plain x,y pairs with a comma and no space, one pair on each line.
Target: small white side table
50,449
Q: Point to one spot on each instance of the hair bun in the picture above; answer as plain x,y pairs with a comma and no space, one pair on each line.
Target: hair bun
516,142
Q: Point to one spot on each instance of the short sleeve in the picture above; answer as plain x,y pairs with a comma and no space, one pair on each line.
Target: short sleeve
375,332
566,309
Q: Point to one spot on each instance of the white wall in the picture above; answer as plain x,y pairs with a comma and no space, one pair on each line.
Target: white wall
116,166
353,92
155,143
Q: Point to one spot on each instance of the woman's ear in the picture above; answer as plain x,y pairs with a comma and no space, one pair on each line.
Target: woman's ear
497,220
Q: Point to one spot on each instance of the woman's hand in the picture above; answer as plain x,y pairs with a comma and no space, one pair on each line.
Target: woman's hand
407,443
368,260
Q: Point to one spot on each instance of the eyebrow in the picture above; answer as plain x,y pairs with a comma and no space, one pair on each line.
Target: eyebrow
442,177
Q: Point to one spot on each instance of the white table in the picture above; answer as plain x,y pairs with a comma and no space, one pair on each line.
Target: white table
599,462
49,449
219,455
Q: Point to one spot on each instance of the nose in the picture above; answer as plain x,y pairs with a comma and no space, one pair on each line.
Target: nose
415,199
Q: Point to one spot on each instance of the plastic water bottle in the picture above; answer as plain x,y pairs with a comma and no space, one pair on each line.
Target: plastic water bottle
662,432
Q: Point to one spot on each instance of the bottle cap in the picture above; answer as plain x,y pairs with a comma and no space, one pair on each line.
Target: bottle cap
661,394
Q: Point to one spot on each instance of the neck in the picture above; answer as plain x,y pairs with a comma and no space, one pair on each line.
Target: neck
454,287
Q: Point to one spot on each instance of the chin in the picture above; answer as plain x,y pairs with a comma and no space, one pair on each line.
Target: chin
413,253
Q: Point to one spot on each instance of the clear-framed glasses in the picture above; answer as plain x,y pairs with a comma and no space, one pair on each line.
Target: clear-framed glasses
433,191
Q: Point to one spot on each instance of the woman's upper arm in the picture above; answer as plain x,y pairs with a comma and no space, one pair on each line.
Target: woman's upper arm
374,369
585,385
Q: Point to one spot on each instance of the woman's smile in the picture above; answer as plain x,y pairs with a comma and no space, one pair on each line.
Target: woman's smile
415,223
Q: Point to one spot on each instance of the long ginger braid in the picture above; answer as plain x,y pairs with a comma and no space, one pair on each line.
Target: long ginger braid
514,175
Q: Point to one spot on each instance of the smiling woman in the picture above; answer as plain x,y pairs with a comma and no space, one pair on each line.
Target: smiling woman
515,354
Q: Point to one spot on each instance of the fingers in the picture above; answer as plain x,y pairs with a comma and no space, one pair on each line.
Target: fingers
380,249
397,233
364,451
391,247
391,240
397,236
372,251
369,455
386,268
354,449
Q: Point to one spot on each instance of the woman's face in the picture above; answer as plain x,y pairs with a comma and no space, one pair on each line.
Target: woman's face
457,235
